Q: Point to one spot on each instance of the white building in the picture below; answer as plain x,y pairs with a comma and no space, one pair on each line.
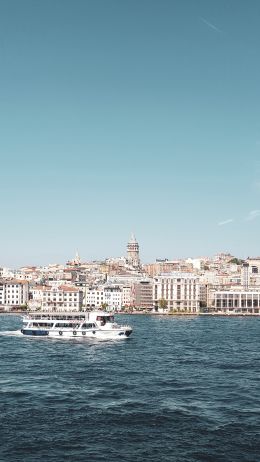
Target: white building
195,262
57,298
13,293
113,297
110,295
254,265
94,297
126,295
237,301
179,291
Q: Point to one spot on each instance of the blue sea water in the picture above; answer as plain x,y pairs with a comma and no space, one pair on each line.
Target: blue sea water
179,389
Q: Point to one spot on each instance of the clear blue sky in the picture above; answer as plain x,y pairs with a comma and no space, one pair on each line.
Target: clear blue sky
129,115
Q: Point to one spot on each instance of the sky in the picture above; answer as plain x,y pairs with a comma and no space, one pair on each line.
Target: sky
129,116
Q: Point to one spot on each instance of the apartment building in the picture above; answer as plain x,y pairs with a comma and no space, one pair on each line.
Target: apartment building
94,297
126,295
142,294
111,296
57,298
13,293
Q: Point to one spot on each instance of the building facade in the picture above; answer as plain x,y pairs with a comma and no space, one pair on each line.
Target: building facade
61,298
142,295
177,292
13,293
126,296
110,296
237,301
113,297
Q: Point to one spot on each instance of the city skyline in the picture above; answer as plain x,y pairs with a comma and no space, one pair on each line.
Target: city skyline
120,116
78,259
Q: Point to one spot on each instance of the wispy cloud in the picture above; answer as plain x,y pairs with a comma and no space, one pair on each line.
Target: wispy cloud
225,222
209,24
252,215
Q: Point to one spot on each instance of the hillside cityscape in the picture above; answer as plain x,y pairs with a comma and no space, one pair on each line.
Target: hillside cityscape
222,284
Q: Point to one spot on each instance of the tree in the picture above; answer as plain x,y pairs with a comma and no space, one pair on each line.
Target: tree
163,304
23,307
236,261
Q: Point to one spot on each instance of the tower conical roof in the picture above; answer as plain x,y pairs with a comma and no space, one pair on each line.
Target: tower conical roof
132,239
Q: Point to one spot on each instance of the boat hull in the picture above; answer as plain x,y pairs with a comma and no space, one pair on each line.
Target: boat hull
35,333
79,334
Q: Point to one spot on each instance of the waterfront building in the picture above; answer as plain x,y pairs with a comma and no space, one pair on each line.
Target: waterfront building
237,301
142,294
36,292
126,295
113,297
204,290
177,291
94,297
13,293
62,298
106,295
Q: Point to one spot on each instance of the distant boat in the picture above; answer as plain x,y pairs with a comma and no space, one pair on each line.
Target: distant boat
93,324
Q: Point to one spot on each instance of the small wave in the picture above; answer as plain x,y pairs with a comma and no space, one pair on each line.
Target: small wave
16,333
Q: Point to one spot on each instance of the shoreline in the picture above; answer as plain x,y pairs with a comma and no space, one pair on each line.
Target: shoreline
142,313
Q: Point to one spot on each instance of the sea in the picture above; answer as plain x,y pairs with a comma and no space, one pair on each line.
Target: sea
180,389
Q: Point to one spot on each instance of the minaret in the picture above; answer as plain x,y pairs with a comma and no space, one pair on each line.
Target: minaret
77,260
133,252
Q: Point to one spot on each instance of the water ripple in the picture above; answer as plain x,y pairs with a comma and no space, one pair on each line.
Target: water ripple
178,390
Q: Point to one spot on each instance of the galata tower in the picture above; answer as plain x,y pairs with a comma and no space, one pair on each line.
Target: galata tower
133,252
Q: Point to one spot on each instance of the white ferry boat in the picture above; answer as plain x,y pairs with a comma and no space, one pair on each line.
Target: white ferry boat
95,324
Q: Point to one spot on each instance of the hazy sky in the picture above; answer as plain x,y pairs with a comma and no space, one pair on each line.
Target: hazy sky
129,115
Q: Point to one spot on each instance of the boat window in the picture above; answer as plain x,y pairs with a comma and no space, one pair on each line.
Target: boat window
65,324
88,325
109,318
105,318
